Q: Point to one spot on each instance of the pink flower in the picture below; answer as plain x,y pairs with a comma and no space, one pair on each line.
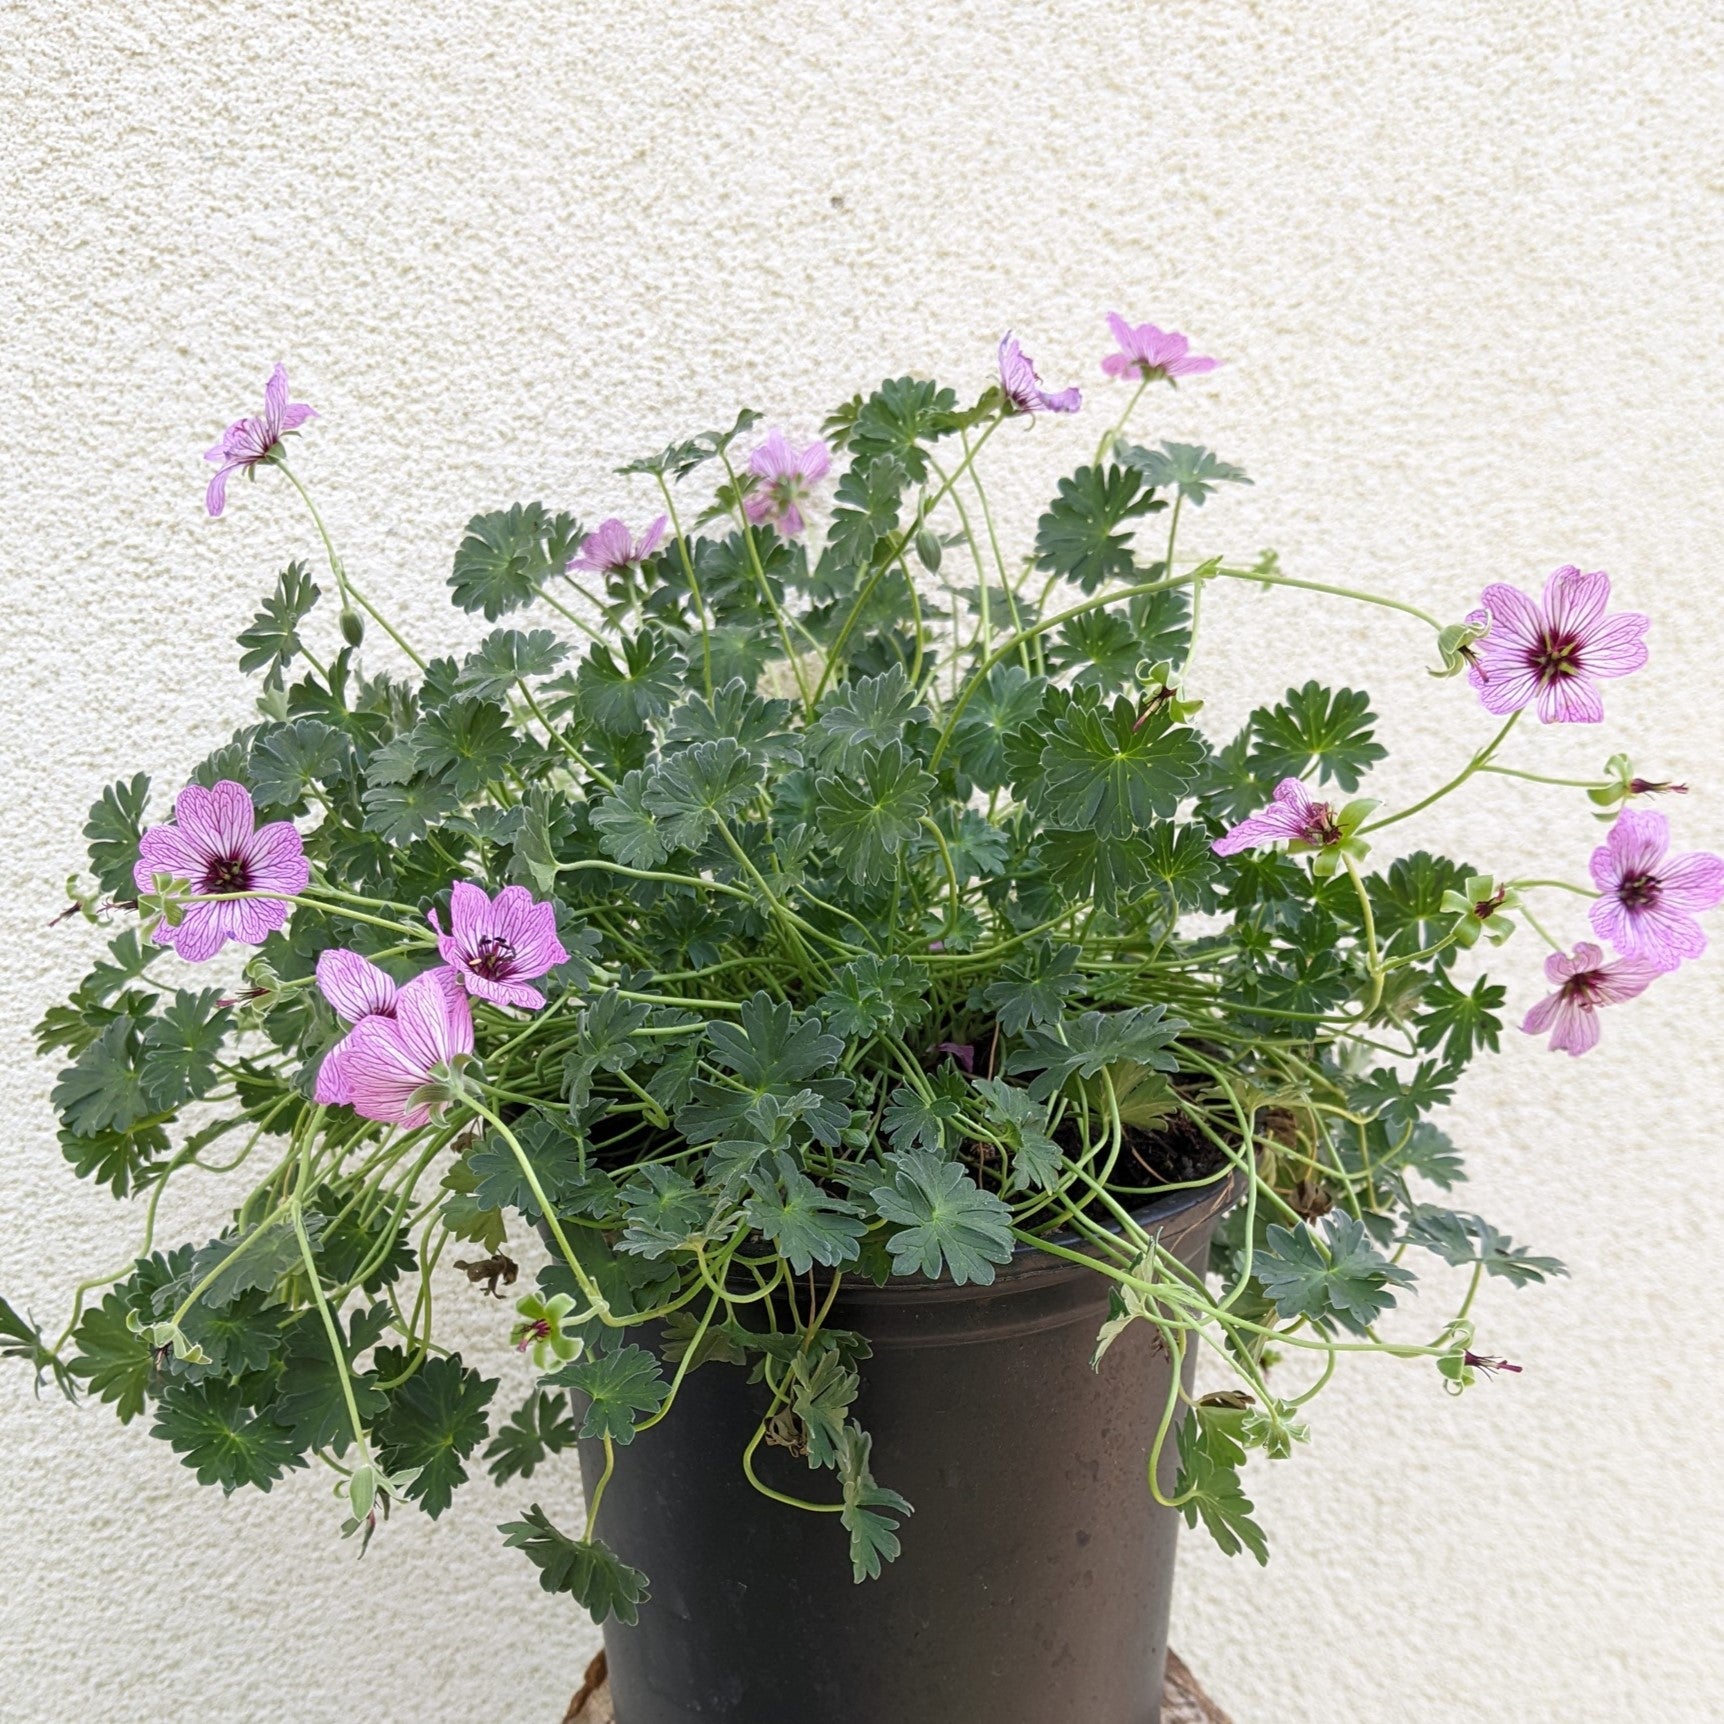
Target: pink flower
358,990
390,1063
1553,651
496,947
212,847
1649,899
1292,814
247,442
608,550
1584,982
1023,388
786,481
1149,353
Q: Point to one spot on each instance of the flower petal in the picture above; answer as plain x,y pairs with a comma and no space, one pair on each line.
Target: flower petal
166,850
1572,700
1574,604
1615,647
353,985
275,855
470,917
1692,882
219,820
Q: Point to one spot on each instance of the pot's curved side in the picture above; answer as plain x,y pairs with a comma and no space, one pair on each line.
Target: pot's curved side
1036,1573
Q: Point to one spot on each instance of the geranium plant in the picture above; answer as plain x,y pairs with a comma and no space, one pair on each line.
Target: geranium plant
811,887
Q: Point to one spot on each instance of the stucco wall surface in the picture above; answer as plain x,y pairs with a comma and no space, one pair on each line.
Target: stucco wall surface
1463,261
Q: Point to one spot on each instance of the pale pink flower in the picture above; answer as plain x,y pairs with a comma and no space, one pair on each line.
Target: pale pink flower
213,847
1022,388
1648,899
1291,814
497,947
247,442
390,1062
1149,353
1584,982
786,480
608,550
357,989
1551,651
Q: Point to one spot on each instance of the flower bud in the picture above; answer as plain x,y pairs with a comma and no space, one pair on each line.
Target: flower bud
352,626
928,550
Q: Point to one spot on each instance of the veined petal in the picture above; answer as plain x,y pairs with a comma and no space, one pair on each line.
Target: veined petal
166,850
1515,619
470,918
382,1074
353,985
334,1088
1574,604
1574,1028
1615,647
219,820
1693,882
275,855
1573,700
275,401
434,1024
1626,979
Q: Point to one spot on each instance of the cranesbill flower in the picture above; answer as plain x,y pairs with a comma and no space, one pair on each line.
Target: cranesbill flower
212,846
497,946
247,442
1023,388
1648,899
401,1070
1553,651
786,480
1149,353
608,550
1291,814
1584,982
357,989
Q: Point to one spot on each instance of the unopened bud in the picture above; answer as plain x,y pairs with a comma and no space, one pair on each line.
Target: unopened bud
928,550
352,626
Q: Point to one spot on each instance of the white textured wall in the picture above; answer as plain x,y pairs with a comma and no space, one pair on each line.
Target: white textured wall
1464,263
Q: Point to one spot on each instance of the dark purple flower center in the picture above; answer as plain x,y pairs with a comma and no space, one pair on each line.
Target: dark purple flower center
1486,908
493,958
1639,891
1583,990
1321,828
538,1330
1557,657
226,874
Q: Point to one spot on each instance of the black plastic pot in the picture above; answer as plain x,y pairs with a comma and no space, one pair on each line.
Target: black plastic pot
1037,1570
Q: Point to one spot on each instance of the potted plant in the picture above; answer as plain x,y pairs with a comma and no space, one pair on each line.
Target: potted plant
834,949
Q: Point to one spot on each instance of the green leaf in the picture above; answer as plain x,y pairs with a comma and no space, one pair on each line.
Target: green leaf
1178,859
181,1047
587,1569
628,830
771,1050
1464,1239
704,783
868,1507
288,759
434,1421
115,825
680,459
1398,1102
1008,699
504,558
272,641
945,1220
1466,1021
621,697
1162,624
870,995
902,414
401,813
102,1090
239,1337
823,1387
618,1386
1085,1045
131,957
1342,1278
222,1438
1033,987
1194,471
1079,535
802,1221
868,824
1084,864
116,1363
539,1428
21,1339
124,1161
309,1401
507,657
469,742
868,714
1313,726
665,1210
257,1259
1425,1150
1022,1122
1209,1490
867,500
735,714
1115,771
916,1121
1101,648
